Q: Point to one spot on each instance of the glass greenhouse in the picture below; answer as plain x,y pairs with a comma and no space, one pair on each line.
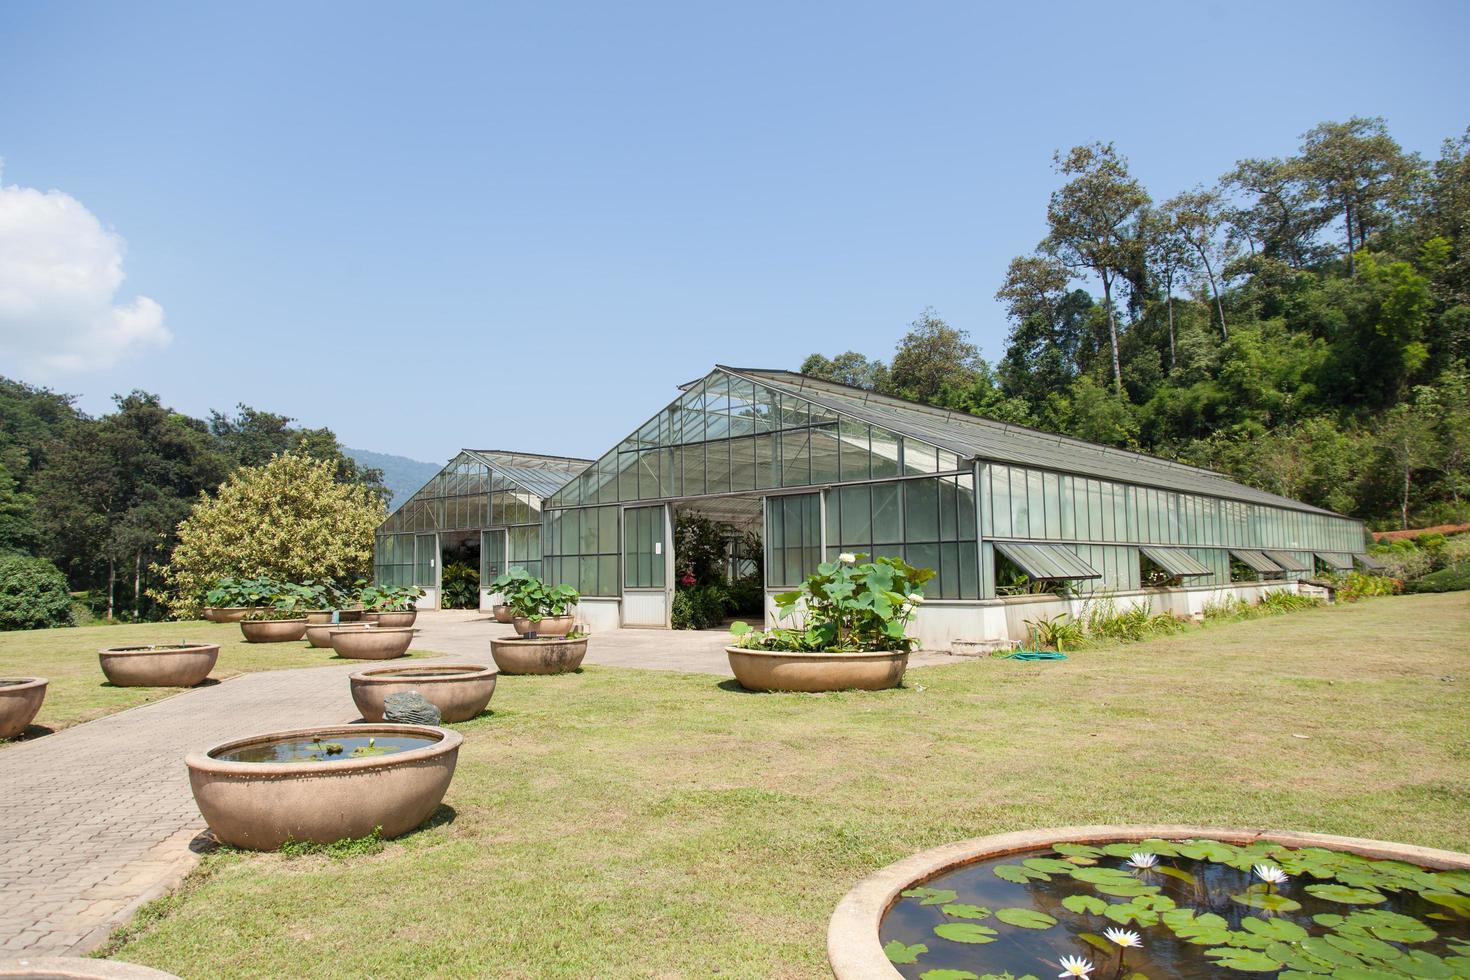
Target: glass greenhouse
812,468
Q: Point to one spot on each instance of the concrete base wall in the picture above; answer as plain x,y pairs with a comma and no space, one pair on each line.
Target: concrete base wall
598,615
429,600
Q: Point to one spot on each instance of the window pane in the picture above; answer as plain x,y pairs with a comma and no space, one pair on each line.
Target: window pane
921,510
854,451
824,455
742,464
795,458
885,453
857,519
887,528
693,470
918,458
717,467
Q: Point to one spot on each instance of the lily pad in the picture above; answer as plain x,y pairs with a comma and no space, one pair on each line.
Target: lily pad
1245,960
1077,850
1025,918
1270,901
1097,942
931,896
898,952
1018,874
1281,929
1459,904
1084,904
960,910
948,975
1049,866
1344,895
965,932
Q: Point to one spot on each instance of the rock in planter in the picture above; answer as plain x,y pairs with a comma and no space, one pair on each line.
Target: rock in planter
409,708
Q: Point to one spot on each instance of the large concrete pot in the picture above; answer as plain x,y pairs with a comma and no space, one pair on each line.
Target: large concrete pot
160,665
272,630
400,617
853,949
502,613
349,615
546,626
459,691
227,614
320,634
261,805
538,655
368,617
373,643
315,617
20,699
77,968
766,670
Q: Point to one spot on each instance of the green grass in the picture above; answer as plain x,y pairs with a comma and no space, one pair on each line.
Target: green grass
626,823
78,691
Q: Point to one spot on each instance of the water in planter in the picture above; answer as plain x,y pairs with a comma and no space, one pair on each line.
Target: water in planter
1193,908
326,749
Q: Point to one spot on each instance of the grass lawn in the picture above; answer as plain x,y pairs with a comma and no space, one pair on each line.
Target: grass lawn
627,823
79,692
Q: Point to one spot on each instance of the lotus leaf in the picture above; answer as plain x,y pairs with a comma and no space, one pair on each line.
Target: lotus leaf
1025,918
1098,875
1245,960
948,975
1422,963
898,952
1077,850
1270,901
1018,874
1460,904
1344,895
1364,945
965,932
1184,876
960,910
931,896
1084,904
1281,929
1049,866
1129,914
1097,942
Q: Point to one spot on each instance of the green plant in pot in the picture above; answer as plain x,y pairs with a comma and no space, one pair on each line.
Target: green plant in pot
853,630
508,585
541,609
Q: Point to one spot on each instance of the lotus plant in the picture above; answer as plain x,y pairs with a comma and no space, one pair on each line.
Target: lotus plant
1143,860
1124,939
1271,875
1075,966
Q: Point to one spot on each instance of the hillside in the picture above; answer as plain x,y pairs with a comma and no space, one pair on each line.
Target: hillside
401,475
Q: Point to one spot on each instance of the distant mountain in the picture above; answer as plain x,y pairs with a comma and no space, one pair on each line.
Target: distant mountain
400,474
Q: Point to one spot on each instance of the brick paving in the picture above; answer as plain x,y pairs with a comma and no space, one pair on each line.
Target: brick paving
98,819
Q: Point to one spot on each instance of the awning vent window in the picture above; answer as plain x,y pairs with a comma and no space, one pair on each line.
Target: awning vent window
1046,562
1336,562
1370,563
1288,561
1257,561
1178,563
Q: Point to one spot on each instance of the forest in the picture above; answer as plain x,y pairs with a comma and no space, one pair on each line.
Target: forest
1300,324
100,498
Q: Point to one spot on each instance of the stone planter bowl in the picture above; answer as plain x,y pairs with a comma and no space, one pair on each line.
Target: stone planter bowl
160,665
272,630
77,968
368,617
315,617
767,670
349,615
538,655
400,617
320,634
373,643
546,626
227,614
20,699
261,805
459,691
853,949
502,613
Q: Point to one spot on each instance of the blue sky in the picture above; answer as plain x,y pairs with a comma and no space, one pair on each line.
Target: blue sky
433,225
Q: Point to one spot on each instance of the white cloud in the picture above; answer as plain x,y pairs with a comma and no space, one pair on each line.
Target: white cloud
60,271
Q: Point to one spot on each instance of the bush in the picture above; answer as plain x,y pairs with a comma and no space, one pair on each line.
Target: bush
701,607
1357,585
747,597
33,594
461,585
1282,602
1456,578
1403,559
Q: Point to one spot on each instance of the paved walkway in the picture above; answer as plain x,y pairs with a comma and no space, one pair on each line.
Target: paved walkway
97,819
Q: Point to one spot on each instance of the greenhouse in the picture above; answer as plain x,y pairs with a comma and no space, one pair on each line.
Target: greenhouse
481,512
1015,522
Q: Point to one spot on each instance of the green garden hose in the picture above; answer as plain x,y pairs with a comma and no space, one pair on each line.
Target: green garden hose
1036,655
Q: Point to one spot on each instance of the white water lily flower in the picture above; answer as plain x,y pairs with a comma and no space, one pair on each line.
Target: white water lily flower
915,599
847,558
1124,937
1074,966
1143,860
1270,874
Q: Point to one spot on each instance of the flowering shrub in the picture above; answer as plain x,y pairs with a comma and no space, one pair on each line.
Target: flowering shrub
1356,585
850,606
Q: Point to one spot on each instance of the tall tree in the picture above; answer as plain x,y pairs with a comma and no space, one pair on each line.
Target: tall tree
1278,213
849,368
1048,326
1167,253
1088,217
1197,217
1363,171
931,357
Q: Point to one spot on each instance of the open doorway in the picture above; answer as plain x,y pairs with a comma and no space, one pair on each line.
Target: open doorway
718,566
459,578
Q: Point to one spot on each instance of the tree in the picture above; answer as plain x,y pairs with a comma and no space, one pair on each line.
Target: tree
932,356
1280,215
251,437
33,594
17,516
1088,217
289,519
1406,438
849,368
1167,252
1197,217
1361,169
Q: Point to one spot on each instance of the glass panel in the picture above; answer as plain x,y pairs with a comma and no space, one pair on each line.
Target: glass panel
742,463
717,467
765,461
693,484
824,454
856,516
921,510
795,458
854,450
919,459
887,527
885,453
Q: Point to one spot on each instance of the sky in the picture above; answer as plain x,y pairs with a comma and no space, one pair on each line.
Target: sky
521,226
